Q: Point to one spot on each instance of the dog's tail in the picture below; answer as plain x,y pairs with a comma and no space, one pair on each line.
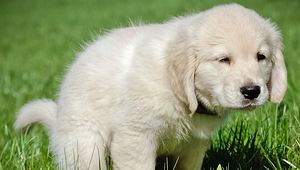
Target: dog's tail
43,111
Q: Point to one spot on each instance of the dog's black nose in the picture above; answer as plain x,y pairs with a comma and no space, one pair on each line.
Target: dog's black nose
250,92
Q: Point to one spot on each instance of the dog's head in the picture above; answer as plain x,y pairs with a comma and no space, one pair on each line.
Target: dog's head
228,58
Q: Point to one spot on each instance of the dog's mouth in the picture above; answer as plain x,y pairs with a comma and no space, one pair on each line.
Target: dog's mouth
249,104
246,105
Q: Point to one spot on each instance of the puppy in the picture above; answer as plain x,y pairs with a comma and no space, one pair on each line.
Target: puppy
144,91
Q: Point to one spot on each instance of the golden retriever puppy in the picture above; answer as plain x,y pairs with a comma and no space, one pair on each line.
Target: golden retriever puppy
161,89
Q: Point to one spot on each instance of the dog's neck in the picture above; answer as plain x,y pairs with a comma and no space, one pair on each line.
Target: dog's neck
201,109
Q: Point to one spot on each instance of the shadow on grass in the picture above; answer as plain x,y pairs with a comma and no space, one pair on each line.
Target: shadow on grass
239,149
234,148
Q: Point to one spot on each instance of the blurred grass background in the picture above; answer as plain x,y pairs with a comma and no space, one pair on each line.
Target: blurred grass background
40,38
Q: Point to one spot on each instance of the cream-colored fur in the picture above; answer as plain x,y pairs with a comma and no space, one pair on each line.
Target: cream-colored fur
133,93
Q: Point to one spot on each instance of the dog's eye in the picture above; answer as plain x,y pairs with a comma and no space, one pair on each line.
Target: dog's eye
225,60
260,57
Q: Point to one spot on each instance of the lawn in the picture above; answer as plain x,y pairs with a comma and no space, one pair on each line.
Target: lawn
40,38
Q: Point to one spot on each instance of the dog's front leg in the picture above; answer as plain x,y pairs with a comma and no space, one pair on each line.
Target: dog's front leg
191,157
133,151
193,151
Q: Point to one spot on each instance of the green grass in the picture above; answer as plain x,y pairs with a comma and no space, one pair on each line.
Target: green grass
39,39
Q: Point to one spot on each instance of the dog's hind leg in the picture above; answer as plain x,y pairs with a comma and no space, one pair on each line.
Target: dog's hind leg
80,149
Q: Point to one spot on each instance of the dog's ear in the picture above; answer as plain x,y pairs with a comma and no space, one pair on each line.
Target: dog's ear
181,68
278,79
